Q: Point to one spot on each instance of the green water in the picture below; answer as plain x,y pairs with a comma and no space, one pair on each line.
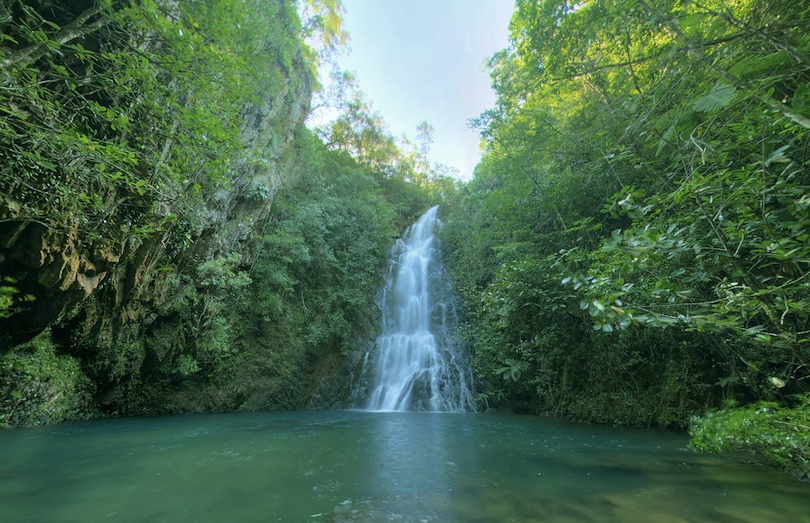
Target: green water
377,467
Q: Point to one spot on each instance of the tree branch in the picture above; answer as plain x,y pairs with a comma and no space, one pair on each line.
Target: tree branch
71,31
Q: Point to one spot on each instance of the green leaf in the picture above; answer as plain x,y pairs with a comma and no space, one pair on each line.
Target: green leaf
721,95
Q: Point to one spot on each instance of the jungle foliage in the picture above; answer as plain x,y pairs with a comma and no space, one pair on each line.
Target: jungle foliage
133,135
311,309
158,149
634,245
279,332
38,385
766,432
116,111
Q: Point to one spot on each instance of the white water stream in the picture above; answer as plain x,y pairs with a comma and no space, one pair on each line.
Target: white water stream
416,363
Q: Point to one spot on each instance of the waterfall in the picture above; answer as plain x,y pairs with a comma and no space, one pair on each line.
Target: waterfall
416,363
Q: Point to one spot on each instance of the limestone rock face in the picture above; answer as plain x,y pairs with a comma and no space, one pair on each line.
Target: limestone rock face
72,265
53,265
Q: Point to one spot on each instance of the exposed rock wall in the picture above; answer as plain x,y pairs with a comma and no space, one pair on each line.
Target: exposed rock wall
59,270
101,293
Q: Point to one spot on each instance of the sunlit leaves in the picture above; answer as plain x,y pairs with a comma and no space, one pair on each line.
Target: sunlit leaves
322,19
138,105
674,120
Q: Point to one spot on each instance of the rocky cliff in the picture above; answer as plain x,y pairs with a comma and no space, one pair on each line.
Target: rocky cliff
129,162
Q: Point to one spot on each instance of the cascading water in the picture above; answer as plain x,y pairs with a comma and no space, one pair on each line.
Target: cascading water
416,365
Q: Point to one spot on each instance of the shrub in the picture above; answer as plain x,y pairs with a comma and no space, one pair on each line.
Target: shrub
39,386
763,432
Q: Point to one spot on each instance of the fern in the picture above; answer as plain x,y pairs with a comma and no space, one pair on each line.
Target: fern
718,97
755,65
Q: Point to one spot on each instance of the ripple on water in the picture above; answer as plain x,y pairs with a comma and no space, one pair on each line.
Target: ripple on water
367,467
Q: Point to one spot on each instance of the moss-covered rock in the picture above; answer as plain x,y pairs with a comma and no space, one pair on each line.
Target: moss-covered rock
39,386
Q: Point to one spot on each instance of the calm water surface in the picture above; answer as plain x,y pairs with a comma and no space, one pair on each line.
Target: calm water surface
377,467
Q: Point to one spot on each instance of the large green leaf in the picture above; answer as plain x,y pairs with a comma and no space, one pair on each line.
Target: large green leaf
718,97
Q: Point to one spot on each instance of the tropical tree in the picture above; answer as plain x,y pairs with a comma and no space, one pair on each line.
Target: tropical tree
645,167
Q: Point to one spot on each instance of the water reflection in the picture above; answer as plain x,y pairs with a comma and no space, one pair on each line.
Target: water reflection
409,453
372,467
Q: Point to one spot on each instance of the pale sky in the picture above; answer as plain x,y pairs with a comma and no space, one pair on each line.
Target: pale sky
422,60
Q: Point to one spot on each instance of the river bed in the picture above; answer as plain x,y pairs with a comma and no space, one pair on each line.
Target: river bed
344,466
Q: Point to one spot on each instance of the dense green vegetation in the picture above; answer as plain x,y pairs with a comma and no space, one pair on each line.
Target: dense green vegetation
640,250
765,432
634,247
39,386
172,235
113,111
